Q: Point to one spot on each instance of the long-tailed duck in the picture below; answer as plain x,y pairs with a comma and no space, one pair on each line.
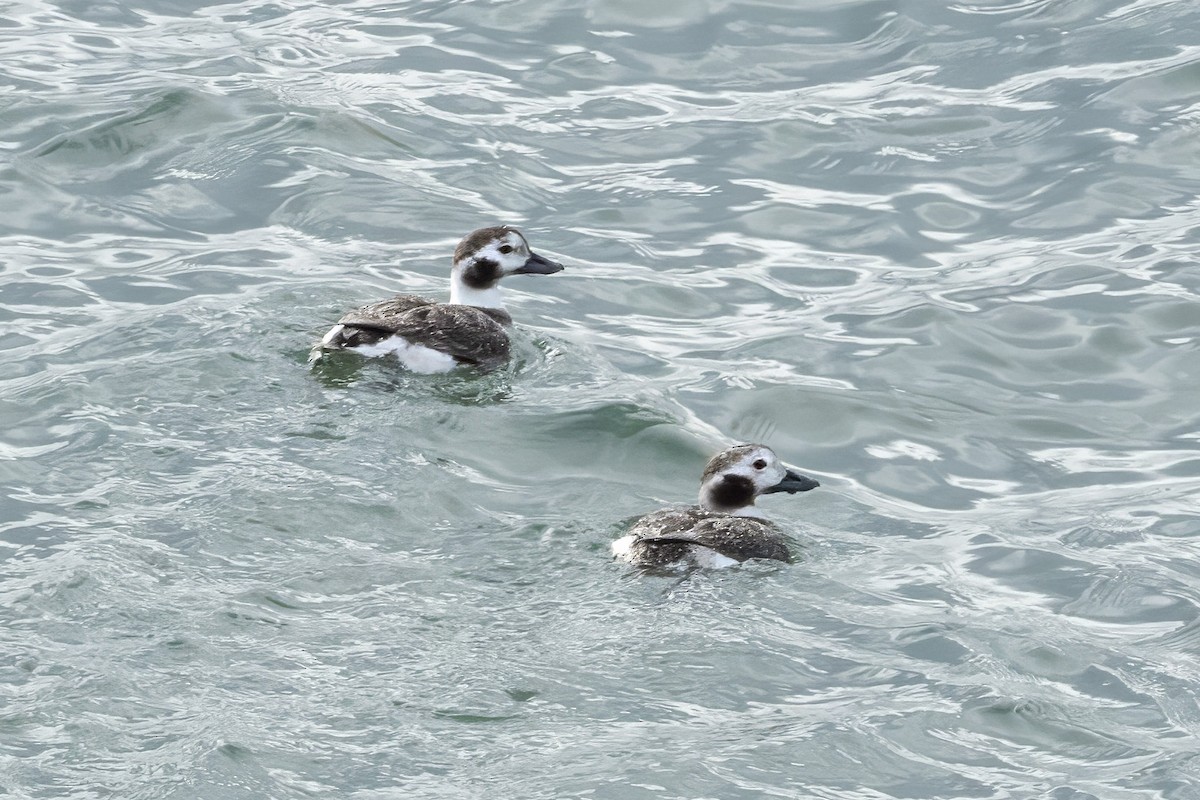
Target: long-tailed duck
427,336
725,528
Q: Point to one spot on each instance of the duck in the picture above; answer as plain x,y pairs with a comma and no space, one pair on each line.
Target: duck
725,528
429,337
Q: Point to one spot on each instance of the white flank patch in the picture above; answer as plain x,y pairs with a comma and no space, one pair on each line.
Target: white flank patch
333,334
709,559
622,546
699,555
416,357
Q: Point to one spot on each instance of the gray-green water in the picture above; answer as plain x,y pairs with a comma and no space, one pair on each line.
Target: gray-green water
940,256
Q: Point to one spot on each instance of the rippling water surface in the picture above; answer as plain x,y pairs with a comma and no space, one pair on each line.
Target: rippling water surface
940,256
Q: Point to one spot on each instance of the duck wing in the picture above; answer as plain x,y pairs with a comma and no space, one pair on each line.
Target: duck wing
469,334
372,323
383,315
670,532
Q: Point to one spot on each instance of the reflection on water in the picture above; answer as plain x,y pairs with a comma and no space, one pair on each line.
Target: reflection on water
940,257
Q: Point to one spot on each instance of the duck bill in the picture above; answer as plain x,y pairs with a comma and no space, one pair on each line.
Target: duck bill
793,482
538,265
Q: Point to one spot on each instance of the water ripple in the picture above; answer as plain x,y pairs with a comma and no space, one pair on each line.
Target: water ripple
941,257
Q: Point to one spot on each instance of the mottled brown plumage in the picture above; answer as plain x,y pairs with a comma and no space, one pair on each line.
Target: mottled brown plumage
472,336
726,459
666,537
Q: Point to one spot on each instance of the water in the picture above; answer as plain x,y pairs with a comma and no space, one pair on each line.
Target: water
941,257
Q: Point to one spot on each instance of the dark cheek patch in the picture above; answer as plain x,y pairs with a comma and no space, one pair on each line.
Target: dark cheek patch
735,491
481,274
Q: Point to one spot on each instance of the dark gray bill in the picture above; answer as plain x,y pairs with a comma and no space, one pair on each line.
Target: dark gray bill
538,265
793,482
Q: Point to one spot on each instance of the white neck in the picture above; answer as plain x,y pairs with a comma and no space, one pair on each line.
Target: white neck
749,511
481,298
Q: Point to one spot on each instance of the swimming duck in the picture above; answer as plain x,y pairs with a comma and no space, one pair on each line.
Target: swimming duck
725,528
429,337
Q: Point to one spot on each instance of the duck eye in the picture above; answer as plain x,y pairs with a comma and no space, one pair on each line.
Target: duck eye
506,248
760,464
